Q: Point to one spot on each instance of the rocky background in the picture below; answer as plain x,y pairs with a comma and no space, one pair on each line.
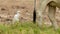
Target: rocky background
8,9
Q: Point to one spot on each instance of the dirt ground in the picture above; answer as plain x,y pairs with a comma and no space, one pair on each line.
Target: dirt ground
9,7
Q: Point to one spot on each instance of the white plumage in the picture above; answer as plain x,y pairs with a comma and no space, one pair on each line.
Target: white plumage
16,17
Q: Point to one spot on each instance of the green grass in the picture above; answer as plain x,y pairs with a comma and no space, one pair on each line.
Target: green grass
26,28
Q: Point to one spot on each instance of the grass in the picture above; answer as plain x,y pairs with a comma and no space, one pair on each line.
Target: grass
26,28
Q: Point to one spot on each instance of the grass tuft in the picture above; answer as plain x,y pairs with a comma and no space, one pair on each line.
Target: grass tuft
26,28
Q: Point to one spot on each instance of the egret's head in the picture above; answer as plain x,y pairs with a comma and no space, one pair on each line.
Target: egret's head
18,11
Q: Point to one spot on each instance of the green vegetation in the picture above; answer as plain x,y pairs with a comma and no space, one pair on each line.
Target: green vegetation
26,28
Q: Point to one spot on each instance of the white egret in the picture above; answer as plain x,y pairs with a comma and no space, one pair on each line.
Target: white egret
16,17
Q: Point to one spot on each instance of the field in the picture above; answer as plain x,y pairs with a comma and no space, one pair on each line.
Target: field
8,9
26,28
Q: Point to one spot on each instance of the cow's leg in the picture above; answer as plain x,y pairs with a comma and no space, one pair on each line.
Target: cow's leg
40,14
51,14
41,9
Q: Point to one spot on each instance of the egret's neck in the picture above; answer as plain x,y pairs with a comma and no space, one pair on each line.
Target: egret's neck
17,14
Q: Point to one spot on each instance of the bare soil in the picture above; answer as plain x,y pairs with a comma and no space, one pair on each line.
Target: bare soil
9,7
